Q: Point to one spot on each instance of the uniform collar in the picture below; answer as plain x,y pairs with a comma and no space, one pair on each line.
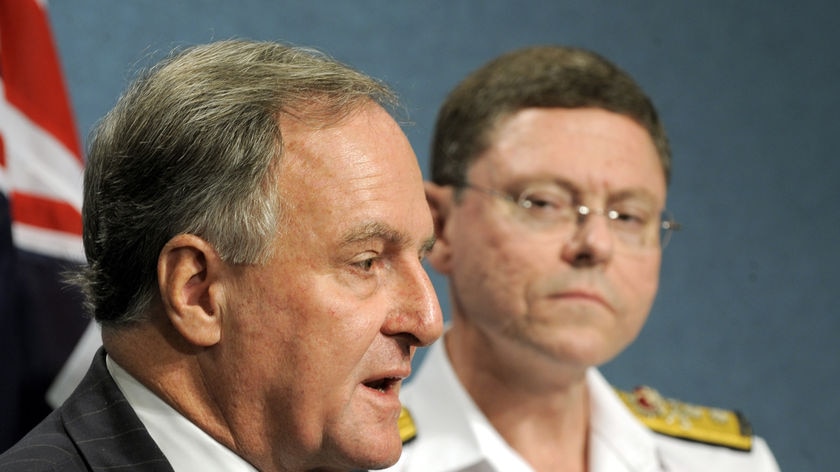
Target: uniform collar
615,434
443,415
451,429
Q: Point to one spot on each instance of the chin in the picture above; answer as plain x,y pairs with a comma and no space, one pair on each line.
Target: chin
372,453
369,461
581,348
384,453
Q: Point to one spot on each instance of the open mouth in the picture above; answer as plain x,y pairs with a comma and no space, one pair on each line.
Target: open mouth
383,385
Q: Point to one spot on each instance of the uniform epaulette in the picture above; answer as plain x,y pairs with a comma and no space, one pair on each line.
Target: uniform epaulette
405,423
692,422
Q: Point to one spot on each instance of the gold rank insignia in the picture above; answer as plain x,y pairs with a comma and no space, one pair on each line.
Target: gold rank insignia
692,422
406,425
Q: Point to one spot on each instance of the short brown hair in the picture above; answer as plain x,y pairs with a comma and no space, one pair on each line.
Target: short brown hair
541,77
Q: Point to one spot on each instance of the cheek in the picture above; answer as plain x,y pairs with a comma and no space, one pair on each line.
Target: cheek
278,323
639,284
332,327
495,268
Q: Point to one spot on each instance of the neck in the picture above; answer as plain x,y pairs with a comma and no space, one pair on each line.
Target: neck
539,406
169,368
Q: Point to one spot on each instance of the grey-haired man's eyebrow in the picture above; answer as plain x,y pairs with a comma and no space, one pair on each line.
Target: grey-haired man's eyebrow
383,232
374,230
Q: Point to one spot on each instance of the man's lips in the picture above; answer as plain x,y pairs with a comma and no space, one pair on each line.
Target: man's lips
582,295
383,385
386,382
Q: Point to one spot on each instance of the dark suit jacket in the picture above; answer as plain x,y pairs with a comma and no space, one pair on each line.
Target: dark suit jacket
95,429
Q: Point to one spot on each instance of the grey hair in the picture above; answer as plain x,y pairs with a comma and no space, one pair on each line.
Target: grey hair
542,77
193,147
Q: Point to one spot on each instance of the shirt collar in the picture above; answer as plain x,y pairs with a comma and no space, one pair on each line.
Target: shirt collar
186,446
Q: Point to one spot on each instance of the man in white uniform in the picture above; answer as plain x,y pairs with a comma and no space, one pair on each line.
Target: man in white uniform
550,170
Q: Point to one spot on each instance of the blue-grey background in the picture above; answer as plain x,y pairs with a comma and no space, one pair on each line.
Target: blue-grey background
747,315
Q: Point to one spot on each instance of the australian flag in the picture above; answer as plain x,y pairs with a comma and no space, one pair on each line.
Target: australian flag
40,222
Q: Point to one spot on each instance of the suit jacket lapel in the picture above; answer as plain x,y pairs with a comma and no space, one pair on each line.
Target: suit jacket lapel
105,428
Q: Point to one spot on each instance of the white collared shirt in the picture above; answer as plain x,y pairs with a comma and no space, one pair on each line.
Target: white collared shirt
453,435
185,445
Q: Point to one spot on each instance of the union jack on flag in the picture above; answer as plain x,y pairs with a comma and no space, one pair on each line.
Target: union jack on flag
41,167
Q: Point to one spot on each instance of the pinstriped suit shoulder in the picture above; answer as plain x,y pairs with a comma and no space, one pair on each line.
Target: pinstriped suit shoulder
95,429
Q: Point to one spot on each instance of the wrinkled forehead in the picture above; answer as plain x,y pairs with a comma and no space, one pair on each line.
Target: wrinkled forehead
362,166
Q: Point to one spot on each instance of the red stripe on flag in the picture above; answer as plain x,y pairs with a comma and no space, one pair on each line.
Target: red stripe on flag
30,71
45,213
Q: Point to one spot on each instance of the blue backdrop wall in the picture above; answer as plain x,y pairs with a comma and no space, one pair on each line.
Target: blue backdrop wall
747,316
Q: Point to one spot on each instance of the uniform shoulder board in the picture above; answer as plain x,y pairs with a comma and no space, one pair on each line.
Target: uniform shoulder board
405,423
692,422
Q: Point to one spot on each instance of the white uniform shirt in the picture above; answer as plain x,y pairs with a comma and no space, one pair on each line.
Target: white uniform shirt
185,445
453,434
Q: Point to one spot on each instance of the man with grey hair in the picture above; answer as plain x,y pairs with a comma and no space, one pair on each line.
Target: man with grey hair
549,176
254,225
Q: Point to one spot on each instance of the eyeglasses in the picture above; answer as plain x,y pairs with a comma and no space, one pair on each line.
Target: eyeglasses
552,207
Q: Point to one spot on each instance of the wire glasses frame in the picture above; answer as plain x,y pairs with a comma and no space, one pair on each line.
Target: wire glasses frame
567,211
